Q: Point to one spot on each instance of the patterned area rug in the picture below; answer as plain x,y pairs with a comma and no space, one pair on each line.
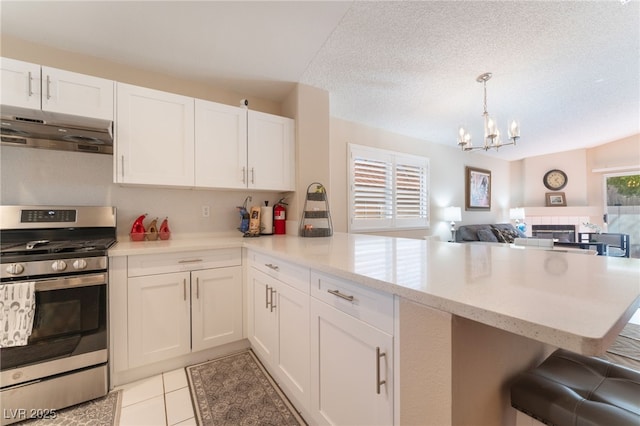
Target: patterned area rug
237,390
625,350
103,411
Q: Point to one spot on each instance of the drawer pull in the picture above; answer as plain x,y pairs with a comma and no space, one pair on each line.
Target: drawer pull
272,266
197,288
379,383
190,261
340,295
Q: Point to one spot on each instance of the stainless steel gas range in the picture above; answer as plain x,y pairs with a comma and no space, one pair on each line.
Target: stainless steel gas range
53,307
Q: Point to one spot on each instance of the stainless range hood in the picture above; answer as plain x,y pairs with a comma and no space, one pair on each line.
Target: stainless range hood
67,133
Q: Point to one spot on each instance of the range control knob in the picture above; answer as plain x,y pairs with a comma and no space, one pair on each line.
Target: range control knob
59,265
15,268
79,264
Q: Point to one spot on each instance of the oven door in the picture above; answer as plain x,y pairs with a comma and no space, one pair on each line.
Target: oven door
69,330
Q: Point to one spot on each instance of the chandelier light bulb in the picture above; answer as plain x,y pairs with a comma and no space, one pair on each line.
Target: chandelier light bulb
461,133
514,129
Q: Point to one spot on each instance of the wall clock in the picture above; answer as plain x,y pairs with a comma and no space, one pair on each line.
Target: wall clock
555,179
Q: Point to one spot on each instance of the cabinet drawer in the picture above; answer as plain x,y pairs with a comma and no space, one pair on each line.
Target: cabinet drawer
369,305
149,264
293,275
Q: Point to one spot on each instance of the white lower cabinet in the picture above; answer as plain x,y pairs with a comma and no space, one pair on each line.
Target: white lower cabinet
174,314
171,314
279,323
158,318
351,359
216,307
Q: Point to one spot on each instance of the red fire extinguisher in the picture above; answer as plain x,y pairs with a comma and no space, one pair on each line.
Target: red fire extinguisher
279,217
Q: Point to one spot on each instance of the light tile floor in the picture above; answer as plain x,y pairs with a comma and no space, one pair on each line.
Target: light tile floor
158,400
165,399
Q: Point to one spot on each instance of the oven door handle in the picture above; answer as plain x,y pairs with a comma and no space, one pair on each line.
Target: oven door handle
70,282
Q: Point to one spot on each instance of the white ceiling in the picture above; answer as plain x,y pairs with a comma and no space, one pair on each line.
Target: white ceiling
569,71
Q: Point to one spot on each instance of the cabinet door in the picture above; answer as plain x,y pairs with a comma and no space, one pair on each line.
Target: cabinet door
158,310
154,137
71,93
292,351
271,151
216,307
221,145
20,82
345,362
262,317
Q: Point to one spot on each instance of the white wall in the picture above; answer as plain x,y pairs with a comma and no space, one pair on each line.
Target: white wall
43,177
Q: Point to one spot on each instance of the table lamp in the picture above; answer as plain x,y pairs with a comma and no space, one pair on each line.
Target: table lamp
453,215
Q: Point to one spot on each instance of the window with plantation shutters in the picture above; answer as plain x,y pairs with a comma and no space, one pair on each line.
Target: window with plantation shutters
388,190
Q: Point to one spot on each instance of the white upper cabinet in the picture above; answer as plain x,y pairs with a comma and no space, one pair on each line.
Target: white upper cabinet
20,84
237,148
30,86
154,137
165,139
221,145
271,152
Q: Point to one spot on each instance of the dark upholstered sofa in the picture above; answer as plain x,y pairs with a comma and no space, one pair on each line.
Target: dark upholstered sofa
494,233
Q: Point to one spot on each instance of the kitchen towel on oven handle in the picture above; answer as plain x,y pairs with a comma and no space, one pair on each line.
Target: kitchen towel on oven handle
17,309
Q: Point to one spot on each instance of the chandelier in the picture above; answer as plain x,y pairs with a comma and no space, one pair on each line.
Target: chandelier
492,137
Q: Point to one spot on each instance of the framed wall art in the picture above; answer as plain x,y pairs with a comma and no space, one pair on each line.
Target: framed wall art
477,189
556,199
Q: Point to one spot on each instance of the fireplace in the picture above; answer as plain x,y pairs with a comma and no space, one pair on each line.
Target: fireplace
558,233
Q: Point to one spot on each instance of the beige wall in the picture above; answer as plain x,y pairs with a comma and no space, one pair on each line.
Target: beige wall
310,107
585,169
25,51
33,176
447,164
621,156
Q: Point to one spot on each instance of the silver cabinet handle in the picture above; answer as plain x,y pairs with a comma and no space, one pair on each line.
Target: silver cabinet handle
266,296
244,174
272,266
30,88
197,288
253,175
184,289
122,168
341,295
379,383
272,305
48,88
190,261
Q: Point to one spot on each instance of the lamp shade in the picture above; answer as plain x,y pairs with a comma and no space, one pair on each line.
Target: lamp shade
453,214
516,214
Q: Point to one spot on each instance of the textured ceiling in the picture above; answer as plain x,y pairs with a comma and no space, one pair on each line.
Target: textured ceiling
569,71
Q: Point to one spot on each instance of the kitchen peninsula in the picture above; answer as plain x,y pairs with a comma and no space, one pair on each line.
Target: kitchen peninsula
467,317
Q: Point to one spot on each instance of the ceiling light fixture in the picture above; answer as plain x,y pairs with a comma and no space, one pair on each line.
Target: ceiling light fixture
491,133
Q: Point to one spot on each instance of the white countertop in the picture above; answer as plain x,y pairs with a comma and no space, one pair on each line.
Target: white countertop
568,300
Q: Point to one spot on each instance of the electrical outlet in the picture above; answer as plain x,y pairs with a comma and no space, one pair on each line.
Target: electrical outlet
205,211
